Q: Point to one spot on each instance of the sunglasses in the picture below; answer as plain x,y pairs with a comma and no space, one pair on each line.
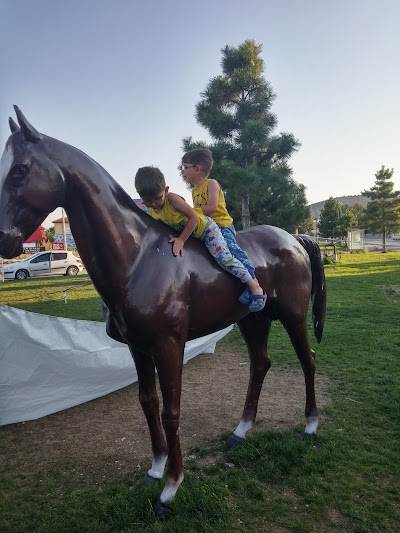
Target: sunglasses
184,167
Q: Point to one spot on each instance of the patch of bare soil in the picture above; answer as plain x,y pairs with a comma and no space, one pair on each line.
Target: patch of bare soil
108,437
392,292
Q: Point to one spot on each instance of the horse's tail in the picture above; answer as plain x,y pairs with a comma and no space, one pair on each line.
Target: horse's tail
318,291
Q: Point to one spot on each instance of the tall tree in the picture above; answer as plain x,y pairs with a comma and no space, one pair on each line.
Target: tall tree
307,226
50,233
251,162
329,222
358,210
283,203
347,219
382,213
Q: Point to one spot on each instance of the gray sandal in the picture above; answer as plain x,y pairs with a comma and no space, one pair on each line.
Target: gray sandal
257,302
245,297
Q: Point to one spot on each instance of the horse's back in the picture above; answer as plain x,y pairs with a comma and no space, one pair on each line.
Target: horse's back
267,245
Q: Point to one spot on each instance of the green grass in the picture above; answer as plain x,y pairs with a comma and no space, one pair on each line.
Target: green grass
46,296
347,479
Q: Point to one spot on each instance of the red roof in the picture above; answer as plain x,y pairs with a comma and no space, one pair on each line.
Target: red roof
38,235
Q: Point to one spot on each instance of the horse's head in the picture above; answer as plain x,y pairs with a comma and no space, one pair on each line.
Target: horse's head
31,185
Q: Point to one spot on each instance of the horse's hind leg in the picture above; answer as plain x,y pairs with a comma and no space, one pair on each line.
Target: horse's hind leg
299,336
255,330
150,404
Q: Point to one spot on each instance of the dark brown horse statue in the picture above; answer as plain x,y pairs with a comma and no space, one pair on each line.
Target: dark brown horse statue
155,301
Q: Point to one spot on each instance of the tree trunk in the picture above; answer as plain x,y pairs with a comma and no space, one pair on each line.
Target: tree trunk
245,209
384,240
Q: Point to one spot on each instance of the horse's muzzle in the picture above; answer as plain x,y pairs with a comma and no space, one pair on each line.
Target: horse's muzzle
10,243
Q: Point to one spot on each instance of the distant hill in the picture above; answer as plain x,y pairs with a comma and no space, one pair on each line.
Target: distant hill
315,209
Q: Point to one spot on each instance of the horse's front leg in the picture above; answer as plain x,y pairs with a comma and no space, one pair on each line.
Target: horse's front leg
169,361
148,399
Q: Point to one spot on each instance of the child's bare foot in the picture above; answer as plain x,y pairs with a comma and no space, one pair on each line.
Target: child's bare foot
254,286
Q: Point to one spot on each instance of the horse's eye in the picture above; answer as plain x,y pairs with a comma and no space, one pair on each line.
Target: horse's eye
19,171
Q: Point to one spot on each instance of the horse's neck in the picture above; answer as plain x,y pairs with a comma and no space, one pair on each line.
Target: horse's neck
106,224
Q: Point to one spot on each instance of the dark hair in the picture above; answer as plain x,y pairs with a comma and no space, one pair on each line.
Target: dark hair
149,181
201,157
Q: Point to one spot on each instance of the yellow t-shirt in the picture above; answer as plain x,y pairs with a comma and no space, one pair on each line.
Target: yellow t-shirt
177,220
200,198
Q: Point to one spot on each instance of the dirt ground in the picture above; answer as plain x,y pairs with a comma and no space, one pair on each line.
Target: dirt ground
108,437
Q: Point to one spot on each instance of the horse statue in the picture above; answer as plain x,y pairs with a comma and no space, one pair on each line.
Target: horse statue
154,302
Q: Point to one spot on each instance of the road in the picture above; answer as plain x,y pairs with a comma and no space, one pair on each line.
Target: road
373,243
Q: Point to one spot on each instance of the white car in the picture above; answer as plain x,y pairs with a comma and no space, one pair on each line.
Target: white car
44,264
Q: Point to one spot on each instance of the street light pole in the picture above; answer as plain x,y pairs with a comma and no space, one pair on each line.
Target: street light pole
316,228
63,226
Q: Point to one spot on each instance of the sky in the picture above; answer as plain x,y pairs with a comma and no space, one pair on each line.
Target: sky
120,80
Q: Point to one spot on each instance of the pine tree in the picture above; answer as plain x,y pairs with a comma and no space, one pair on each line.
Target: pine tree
382,213
347,219
250,160
329,222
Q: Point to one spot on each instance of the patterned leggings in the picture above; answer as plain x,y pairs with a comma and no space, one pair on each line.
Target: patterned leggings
229,234
218,248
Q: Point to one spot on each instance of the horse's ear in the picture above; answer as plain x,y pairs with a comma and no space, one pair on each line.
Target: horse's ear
13,125
29,132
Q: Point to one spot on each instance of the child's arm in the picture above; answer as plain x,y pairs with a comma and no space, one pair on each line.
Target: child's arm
213,197
181,206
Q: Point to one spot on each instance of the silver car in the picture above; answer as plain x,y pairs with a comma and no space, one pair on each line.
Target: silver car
44,264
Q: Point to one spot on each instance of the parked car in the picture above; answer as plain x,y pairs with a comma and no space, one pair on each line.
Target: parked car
44,264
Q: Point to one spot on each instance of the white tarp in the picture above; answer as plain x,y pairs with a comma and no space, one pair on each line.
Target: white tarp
49,363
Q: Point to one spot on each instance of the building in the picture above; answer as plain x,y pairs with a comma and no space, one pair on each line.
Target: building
59,234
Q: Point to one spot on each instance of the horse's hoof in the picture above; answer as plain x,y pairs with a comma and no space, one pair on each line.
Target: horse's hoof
147,480
233,441
162,510
312,425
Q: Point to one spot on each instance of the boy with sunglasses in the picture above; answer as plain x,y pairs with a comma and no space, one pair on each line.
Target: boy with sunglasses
208,195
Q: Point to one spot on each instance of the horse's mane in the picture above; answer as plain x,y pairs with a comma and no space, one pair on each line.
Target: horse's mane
123,197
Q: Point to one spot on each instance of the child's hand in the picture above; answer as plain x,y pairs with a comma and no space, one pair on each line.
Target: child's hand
177,247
